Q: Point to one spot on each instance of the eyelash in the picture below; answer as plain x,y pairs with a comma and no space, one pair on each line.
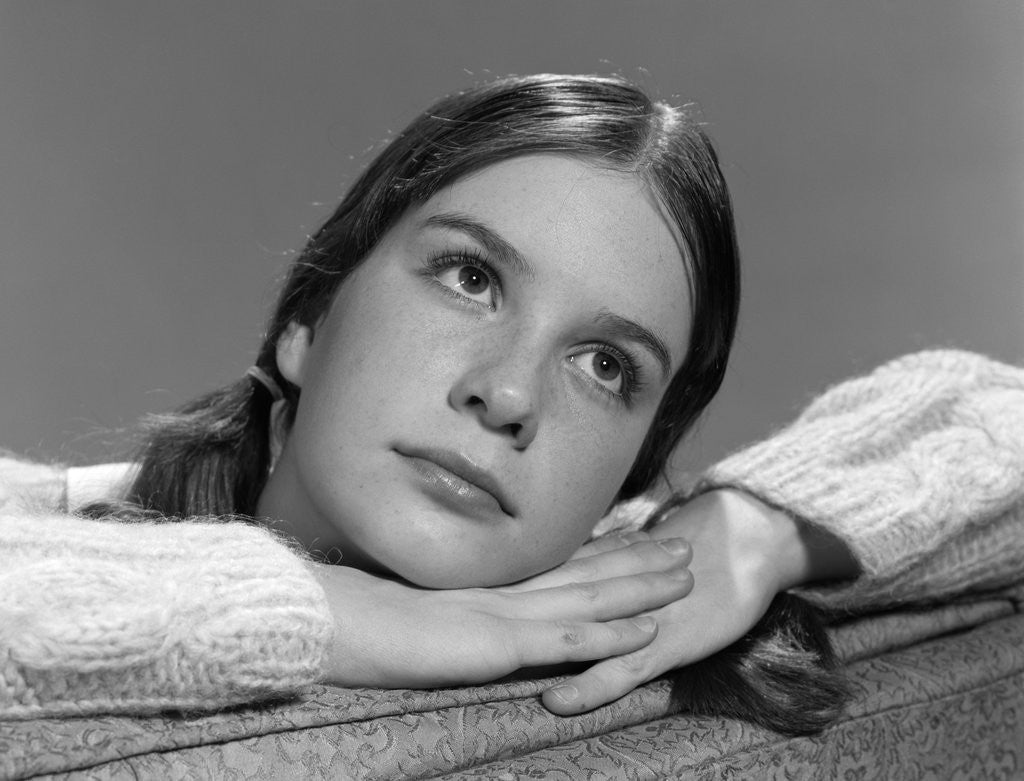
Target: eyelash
633,374
443,261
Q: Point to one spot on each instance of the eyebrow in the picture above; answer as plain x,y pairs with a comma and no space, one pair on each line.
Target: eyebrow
629,329
509,255
491,241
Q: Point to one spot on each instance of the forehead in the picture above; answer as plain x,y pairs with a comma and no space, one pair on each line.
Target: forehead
598,235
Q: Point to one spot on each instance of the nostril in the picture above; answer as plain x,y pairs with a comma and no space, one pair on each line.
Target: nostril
515,428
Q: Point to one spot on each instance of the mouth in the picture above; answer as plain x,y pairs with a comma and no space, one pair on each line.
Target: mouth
457,482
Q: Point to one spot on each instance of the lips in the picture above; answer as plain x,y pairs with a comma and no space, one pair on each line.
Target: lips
457,481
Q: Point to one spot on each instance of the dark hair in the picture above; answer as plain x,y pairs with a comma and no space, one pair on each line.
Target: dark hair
211,456
782,674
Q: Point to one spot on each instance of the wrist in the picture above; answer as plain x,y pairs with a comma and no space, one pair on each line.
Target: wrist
772,550
773,540
732,531
794,552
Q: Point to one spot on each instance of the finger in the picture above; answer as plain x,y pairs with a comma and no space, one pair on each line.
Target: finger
635,558
553,642
605,682
599,600
609,542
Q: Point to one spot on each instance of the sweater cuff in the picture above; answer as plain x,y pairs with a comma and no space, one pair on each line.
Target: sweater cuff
898,464
102,616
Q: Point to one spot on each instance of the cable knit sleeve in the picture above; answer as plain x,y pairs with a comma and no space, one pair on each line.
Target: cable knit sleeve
917,467
112,617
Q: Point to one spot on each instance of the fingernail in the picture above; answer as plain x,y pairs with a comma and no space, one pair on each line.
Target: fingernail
675,546
680,573
566,693
645,623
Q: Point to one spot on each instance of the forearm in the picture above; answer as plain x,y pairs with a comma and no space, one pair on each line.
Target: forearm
917,469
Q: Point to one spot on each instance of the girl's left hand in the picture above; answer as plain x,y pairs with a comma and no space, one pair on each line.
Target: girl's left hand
744,553
392,634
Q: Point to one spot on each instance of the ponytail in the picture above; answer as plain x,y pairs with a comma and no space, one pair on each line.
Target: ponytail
210,457
783,674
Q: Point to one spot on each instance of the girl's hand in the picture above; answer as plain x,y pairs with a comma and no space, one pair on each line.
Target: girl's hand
390,634
745,552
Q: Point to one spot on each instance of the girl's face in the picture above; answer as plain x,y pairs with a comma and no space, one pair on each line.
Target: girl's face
480,387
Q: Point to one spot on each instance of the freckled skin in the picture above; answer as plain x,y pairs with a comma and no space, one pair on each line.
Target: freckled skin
399,361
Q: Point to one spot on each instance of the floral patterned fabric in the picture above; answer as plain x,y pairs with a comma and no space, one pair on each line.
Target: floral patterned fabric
939,693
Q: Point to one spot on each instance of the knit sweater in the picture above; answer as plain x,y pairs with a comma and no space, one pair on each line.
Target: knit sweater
108,617
918,468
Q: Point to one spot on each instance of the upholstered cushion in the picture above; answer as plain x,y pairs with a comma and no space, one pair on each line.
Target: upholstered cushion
938,693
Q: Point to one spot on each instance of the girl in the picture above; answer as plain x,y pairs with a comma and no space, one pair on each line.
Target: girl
503,331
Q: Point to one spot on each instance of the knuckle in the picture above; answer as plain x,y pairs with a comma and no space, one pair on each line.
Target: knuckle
586,592
571,635
575,569
632,665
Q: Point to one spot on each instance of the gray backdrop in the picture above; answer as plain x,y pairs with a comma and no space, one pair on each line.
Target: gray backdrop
161,161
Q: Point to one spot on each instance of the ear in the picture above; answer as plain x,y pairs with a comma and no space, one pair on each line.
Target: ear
292,352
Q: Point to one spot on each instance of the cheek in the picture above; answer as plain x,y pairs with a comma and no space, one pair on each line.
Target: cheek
370,355
582,477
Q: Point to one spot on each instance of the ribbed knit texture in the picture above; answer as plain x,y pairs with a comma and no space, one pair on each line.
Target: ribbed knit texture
108,617
917,467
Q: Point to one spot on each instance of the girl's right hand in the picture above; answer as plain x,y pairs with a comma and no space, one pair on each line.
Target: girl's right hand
745,552
391,634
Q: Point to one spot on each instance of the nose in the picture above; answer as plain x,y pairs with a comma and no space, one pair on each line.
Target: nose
503,392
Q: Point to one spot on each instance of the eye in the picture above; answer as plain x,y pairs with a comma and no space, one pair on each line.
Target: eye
470,281
604,368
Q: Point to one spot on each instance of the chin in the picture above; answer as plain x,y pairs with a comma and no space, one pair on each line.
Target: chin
454,577
448,575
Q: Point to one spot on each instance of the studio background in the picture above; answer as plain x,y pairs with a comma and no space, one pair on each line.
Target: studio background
162,162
